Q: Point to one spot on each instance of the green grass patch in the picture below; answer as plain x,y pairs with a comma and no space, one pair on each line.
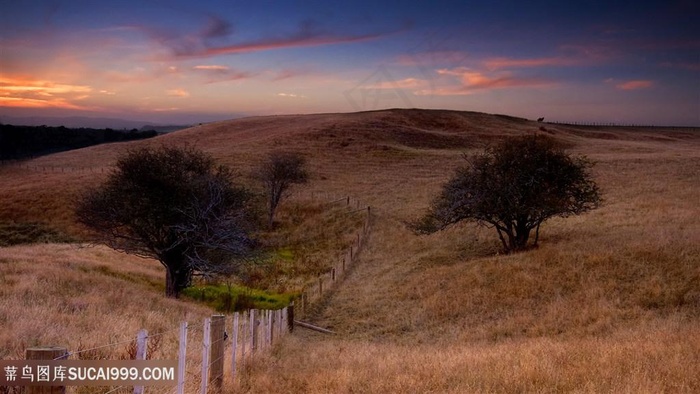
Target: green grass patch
224,298
18,233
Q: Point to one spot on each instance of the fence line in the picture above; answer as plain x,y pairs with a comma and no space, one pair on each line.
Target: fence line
253,333
314,290
208,375
627,125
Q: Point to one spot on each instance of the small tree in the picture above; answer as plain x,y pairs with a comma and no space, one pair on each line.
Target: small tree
174,205
278,173
514,187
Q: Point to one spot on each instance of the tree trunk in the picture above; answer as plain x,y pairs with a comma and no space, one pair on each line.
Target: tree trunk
177,276
517,238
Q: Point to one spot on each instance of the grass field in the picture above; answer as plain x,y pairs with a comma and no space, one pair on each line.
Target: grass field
610,301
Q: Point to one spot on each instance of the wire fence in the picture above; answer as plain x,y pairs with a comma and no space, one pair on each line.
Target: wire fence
220,349
623,125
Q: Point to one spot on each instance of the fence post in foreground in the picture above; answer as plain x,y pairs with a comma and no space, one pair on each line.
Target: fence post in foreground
141,339
182,358
290,317
244,338
206,338
251,319
45,353
234,343
218,327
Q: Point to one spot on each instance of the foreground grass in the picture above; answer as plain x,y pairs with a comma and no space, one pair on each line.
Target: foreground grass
63,295
652,359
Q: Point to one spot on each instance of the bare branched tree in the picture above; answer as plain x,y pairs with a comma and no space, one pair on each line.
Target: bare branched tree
514,187
278,173
175,205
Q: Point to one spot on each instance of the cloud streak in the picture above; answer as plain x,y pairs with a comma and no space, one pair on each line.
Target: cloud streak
210,41
220,73
635,84
35,93
471,81
504,62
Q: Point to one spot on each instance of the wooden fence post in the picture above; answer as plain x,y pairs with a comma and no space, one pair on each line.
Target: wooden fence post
234,344
251,319
216,374
141,341
290,317
268,327
244,338
280,322
182,358
206,343
45,353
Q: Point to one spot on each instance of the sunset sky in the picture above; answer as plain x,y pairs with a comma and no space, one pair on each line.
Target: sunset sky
195,61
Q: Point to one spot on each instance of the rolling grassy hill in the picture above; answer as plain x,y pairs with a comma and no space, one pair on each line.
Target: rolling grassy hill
609,302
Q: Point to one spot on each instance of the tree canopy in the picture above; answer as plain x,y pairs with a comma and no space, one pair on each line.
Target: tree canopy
278,173
514,187
175,205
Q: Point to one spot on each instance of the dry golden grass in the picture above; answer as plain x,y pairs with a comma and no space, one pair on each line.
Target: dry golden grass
627,362
610,302
64,295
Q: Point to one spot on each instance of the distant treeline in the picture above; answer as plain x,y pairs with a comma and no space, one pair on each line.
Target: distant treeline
19,142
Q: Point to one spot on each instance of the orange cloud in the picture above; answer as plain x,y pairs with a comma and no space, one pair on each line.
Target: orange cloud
178,93
292,95
635,84
34,93
479,80
213,67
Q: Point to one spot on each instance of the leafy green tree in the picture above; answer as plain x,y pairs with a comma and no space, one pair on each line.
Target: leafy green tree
175,205
514,187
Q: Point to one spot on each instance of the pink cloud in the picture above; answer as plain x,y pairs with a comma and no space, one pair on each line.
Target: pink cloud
408,83
635,84
502,62
220,73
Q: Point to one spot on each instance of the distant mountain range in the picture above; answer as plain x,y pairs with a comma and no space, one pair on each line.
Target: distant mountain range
87,122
